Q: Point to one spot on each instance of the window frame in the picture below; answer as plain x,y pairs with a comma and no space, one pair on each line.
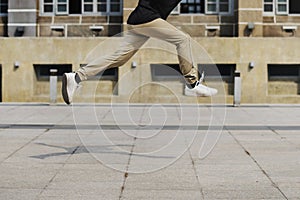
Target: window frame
269,12
207,3
94,12
43,7
286,12
207,12
83,7
275,11
57,4
108,3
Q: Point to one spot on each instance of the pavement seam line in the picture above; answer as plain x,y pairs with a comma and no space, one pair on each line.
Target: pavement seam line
258,165
126,174
195,170
57,172
27,143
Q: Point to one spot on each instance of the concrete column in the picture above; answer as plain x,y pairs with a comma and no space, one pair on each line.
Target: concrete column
237,89
22,18
53,85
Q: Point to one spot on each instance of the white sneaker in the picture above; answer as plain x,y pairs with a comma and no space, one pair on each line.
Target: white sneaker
69,86
200,90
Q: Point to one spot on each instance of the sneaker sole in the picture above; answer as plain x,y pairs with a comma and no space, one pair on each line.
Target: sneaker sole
64,89
192,94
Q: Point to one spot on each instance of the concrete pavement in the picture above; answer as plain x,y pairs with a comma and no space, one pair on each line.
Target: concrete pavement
149,152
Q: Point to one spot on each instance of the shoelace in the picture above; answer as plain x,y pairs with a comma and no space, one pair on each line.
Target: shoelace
201,81
202,77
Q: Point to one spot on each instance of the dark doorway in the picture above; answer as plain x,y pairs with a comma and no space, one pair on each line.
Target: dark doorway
75,7
294,7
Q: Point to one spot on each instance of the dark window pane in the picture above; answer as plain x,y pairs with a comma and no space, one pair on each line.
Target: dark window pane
283,70
223,70
191,9
88,8
212,8
42,71
115,8
282,8
224,8
102,8
48,8
268,8
62,8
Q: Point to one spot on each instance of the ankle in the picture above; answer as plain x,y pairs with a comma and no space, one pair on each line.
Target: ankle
191,85
77,78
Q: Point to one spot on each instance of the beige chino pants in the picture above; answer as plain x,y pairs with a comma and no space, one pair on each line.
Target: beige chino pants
133,41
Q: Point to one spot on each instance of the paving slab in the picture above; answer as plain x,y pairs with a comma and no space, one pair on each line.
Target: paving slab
143,151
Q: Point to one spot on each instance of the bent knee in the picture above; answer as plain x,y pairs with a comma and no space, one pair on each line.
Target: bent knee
184,38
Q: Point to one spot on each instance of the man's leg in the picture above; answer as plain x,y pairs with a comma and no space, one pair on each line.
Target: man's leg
129,46
163,30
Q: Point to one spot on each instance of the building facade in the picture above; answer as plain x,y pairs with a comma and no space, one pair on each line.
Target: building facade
258,38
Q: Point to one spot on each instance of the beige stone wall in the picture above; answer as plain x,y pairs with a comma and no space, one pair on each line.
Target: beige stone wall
136,85
78,26
250,12
273,26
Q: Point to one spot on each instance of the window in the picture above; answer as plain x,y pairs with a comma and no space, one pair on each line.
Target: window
88,6
42,71
55,6
115,6
111,74
64,7
283,79
166,72
3,7
48,6
192,6
109,7
211,6
206,6
216,71
268,6
217,6
283,71
281,7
